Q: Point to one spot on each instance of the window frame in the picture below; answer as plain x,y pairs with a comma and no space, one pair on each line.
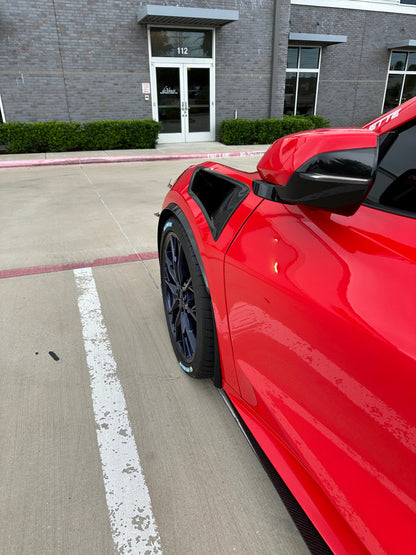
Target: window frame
298,70
2,116
403,72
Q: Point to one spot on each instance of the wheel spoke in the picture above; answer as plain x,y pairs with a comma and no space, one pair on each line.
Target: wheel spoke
187,285
171,264
174,305
173,288
192,313
179,297
190,339
180,260
178,327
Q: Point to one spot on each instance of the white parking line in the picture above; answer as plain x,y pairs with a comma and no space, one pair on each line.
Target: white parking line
133,525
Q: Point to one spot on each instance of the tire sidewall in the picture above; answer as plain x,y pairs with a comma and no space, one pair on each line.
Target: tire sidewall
195,365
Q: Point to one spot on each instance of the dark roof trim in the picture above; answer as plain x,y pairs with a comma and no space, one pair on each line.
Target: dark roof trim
174,15
316,39
405,44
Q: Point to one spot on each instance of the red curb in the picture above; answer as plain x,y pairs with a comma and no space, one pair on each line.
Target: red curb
35,270
124,159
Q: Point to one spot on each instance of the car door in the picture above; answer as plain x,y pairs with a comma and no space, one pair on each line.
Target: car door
322,315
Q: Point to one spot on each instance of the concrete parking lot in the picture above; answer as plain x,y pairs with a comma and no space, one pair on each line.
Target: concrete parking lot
142,459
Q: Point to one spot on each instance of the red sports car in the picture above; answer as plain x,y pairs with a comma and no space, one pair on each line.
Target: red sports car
294,288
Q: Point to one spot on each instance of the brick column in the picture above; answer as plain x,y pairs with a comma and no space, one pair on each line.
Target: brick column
279,57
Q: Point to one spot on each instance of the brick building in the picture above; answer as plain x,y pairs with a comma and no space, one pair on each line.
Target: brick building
194,64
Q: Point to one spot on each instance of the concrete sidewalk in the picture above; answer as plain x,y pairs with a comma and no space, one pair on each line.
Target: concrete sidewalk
174,151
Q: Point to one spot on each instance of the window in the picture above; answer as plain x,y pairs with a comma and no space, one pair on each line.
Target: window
401,79
2,118
412,2
301,80
394,189
181,43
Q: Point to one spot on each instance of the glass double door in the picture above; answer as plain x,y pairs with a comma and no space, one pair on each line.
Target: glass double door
184,101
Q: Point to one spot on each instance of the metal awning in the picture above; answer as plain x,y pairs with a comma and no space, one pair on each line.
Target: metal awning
314,39
405,44
196,17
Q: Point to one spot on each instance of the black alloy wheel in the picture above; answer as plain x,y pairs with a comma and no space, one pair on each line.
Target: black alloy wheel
187,303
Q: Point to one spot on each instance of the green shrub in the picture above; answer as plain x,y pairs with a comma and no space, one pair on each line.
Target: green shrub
102,135
237,132
48,136
4,137
59,136
319,122
266,131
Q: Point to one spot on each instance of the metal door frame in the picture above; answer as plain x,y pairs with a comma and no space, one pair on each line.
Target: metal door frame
185,135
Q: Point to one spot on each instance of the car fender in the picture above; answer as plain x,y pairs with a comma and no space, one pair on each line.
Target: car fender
210,252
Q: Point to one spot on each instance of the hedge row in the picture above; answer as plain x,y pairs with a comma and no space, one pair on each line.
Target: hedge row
266,131
59,136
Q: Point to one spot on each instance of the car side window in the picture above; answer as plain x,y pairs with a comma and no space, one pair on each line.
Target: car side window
394,189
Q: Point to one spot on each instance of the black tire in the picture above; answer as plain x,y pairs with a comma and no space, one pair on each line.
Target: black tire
187,303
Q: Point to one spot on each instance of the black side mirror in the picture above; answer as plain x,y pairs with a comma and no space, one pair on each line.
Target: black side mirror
330,169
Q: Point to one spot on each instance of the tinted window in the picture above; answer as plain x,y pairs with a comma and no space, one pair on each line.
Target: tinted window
411,64
181,43
401,79
292,57
395,185
301,80
309,58
409,89
398,61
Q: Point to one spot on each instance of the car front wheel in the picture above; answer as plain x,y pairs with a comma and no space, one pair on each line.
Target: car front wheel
187,303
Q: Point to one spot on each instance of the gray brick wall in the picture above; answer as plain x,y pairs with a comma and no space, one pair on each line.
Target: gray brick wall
62,60
85,60
244,61
353,75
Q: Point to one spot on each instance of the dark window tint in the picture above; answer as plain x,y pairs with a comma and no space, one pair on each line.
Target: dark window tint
393,92
409,89
198,99
307,93
292,57
168,98
290,93
181,43
301,80
395,185
401,79
411,63
309,58
398,61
